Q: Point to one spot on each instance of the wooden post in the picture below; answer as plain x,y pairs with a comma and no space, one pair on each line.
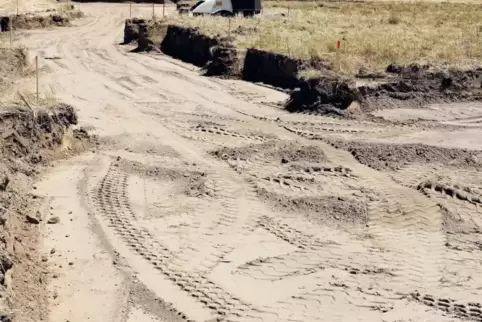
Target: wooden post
338,46
36,70
17,7
153,13
130,9
163,8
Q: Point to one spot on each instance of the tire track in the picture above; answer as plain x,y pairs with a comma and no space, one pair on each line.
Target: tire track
110,202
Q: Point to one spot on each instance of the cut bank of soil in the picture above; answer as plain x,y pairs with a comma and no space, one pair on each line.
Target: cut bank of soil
415,85
27,140
32,21
382,156
188,45
276,69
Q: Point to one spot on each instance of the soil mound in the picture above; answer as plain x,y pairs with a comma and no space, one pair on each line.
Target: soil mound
188,45
382,156
417,85
323,95
131,30
225,61
322,210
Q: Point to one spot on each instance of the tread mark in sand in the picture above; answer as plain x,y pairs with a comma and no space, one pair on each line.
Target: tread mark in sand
462,310
290,235
338,170
221,131
301,262
463,194
110,201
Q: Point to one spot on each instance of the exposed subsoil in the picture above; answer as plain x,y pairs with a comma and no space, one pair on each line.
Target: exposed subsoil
28,141
416,86
188,45
383,156
320,210
34,21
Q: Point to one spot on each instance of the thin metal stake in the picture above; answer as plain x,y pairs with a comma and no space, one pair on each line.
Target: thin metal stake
36,68
130,9
11,31
163,8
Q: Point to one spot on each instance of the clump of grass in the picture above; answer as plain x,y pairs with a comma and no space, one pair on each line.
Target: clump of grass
444,34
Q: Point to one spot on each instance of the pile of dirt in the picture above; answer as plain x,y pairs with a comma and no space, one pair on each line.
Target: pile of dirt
33,21
189,45
27,139
325,96
415,86
131,30
276,151
225,61
321,210
276,69
384,156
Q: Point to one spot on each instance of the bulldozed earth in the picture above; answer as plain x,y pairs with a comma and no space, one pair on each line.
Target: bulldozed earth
199,198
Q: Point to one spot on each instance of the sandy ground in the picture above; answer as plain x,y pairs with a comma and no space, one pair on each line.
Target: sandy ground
204,201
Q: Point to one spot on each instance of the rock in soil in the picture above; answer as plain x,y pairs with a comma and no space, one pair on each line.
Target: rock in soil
53,220
32,220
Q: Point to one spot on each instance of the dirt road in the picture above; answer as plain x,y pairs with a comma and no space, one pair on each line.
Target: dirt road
204,202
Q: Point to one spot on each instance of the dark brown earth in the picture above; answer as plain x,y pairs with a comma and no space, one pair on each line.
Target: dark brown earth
282,152
382,156
322,210
28,141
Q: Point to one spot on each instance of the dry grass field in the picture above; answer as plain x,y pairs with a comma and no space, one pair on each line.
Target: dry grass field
372,34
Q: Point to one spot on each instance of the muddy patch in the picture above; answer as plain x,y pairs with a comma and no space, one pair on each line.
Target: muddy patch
320,210
279,152
381,156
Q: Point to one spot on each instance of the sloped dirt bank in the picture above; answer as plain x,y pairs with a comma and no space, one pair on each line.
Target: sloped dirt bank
131,30
188,45
34,21
28,141
276,69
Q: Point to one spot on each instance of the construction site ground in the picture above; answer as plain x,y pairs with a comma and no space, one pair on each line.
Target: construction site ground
204,200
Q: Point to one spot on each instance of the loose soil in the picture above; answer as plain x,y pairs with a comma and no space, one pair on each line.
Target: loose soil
372,243
29,141
320,210
383,156
280,152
